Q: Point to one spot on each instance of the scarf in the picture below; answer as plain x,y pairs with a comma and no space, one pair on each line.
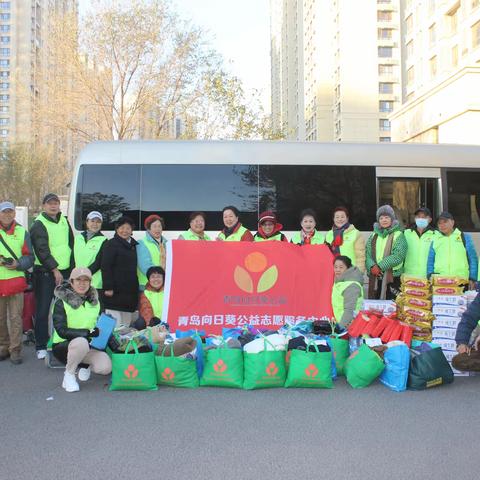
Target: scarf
276,229
307,237
337,241
228,231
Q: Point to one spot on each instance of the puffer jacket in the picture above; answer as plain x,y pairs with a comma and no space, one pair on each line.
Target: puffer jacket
65,293
350,294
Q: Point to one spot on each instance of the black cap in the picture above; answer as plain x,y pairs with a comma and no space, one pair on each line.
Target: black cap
445,215
424,210
50,196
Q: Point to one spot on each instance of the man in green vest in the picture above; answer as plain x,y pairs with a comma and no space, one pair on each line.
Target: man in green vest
16,258
419,237
53,241
452,252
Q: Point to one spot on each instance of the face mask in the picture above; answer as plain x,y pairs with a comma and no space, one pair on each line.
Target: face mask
421,222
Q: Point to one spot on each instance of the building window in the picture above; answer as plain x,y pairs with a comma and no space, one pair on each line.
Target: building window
386,106
5,5
454,55
476,35
4,98
4,108
4,40
385,139
433,66
4,28
385,87
5,52
385,33
4,86
4,121
384,124
3,132
385,52
410,75
384,16
4,16
4,63
385,69
5,74
410,49
432,34
453,21
409,24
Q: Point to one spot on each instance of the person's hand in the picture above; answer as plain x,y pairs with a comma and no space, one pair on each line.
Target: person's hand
12,266
477,343
94,333
108,293
472,284
58,276
376,271
462,348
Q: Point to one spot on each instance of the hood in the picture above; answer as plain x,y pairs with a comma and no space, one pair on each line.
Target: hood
66,293
149,238
353,274
383,232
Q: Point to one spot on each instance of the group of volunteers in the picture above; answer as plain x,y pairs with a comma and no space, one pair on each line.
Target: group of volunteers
87,274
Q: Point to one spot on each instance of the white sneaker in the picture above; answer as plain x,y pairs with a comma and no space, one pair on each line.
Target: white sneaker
70,382
84,374
41,354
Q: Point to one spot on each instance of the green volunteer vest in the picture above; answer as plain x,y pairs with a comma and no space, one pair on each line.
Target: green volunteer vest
155,254
189,235
85,254
337,298
15,242
58,234
450,255
83,317
417,253
277,237
156,300
381,242
317,239
234,237
348,246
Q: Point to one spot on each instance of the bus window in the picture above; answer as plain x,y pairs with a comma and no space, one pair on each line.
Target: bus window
174,191
113,190
464,198
406,195
288,189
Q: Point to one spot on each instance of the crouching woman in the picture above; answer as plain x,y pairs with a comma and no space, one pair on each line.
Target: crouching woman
75,314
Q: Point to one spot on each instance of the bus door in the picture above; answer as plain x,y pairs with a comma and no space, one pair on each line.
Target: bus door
407,189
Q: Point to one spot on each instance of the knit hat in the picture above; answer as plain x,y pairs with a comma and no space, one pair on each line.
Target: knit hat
152,219
268,215
386,210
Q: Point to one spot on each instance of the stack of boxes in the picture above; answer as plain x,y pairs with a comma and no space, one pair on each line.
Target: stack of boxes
449,303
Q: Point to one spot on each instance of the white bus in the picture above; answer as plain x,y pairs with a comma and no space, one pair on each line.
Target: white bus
174,178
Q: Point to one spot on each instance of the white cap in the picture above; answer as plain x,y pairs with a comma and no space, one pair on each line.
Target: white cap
6,206
94,214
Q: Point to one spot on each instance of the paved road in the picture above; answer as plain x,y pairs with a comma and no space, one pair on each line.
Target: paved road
225,434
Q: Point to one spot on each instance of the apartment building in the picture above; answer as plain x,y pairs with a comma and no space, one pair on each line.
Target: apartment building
441,82
336,67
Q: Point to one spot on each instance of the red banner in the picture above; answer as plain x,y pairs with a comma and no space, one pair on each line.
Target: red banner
211,285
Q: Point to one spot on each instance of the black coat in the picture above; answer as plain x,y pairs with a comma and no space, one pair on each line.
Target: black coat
119,273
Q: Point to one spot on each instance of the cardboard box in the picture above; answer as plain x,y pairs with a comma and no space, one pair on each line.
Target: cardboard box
447,311
459,373
451,300
443,333
446,344
446,322
449,355
385,306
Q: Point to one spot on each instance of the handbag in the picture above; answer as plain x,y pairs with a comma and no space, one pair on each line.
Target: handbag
176,371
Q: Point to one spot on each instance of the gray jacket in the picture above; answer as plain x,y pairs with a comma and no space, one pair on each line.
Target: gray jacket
350,294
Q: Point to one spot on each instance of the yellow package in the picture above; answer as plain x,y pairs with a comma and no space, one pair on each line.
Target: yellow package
422,337
443,280
416,302
409,281
416,292
423,315
418,325
447,290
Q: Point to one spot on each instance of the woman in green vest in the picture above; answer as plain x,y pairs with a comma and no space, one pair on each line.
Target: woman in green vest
233,230
75,315
269,228
385,253
150,308
151,249
87,249
345,239
419,237
308,235
196,231
347,292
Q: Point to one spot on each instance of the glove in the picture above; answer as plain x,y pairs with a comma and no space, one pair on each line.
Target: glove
154,321
94,333
376,271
